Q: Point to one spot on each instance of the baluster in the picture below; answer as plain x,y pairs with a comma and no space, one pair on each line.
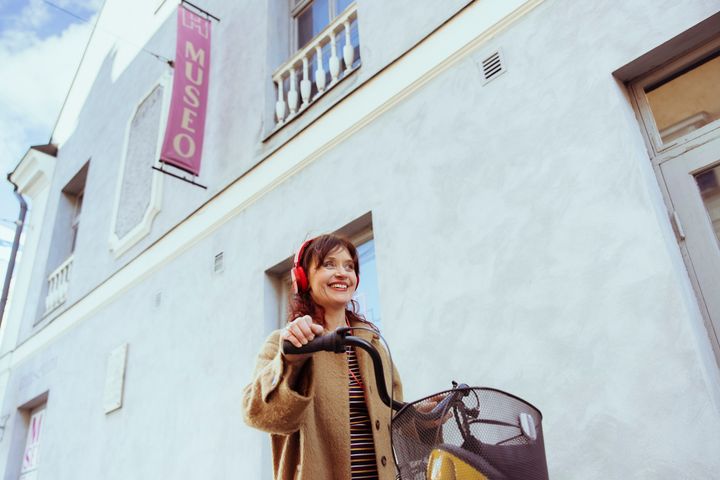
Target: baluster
334,62
305,85
320,71
293,94
65,282
48,299
348,49
280,104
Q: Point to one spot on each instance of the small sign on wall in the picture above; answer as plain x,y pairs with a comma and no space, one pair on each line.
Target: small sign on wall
115,378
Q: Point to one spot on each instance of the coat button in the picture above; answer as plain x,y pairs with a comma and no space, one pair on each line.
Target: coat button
383,460
377,424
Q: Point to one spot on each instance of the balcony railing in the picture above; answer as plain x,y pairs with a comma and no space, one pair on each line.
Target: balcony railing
58,282
335,44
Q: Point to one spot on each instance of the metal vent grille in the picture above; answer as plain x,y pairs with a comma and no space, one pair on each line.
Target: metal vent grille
219,263
493,66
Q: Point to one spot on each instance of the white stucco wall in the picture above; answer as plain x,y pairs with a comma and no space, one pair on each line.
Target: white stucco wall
521,243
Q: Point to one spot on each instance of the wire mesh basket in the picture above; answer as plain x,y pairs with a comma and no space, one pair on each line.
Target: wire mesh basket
481,434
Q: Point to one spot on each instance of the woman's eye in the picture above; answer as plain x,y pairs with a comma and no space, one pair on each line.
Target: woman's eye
328,264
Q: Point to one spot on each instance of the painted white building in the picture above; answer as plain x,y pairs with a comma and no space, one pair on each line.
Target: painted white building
533,184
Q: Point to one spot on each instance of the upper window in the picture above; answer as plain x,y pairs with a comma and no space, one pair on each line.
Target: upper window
76,202
312,16
65,240
681,100
326,49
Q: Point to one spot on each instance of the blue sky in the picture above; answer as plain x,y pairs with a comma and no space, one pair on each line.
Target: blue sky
40,48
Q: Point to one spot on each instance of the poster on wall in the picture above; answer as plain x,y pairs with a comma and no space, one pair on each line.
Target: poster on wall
183,142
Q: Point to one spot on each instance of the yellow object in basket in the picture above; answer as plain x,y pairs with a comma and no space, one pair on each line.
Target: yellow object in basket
446,466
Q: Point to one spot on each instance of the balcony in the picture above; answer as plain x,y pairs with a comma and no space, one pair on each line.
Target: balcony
331,56
58,282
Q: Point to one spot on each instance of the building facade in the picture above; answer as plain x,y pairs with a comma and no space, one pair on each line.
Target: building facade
533,185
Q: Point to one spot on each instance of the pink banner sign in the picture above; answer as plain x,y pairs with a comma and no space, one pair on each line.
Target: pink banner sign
182,146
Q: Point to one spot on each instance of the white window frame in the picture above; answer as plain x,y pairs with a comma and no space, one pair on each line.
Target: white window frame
663,151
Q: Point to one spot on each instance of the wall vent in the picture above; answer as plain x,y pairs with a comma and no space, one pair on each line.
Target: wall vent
219,263
493,66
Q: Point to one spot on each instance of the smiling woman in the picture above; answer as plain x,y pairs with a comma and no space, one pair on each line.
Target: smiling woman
317,409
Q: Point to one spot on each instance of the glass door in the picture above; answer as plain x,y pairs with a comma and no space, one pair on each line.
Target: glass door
693,184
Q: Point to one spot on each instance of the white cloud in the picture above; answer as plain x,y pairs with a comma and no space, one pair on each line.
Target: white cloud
41,74
37,73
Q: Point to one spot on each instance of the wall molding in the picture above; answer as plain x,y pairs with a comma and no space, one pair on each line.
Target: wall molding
120,245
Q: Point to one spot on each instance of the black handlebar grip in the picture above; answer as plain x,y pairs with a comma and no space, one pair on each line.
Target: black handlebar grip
331,342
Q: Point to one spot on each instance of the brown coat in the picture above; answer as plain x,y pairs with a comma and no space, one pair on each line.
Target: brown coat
303,404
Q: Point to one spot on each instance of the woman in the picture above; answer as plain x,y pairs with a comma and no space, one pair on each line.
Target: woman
322,410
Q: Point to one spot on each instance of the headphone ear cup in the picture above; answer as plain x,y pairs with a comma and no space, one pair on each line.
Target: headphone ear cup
299,279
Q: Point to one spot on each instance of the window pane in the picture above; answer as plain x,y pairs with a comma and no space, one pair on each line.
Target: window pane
367,293
688,100
341,5
709,184
311,21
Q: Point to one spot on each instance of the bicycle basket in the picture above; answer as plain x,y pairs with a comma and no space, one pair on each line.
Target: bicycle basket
482,434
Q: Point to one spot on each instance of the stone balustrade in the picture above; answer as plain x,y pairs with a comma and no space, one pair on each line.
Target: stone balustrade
329,57
58,282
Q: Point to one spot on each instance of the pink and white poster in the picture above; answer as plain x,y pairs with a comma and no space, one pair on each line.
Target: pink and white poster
182,146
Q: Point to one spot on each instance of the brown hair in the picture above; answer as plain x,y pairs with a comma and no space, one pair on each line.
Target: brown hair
314,254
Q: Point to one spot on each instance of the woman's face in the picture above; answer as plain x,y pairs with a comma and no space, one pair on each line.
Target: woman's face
333,282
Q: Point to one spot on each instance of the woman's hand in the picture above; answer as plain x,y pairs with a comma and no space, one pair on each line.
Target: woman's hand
301,330
426,407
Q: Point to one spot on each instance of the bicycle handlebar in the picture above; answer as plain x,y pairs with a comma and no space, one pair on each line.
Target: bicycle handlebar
337,341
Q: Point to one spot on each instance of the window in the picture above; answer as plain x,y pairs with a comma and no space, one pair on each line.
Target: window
681,100
31,453
324,49
70,208
76,201
311,17
66,235
368,293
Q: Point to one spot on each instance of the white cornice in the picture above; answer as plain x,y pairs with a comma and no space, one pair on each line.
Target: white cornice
462,35
34,172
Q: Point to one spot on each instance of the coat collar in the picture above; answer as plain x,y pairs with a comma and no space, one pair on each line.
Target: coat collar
364,334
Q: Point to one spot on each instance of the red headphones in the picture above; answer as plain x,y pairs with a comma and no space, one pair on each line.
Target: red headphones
300,282
299,278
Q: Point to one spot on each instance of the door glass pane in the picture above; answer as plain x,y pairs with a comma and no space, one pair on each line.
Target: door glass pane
709,184
687,100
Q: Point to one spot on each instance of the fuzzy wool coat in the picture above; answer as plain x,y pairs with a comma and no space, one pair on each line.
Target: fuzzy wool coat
302,401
